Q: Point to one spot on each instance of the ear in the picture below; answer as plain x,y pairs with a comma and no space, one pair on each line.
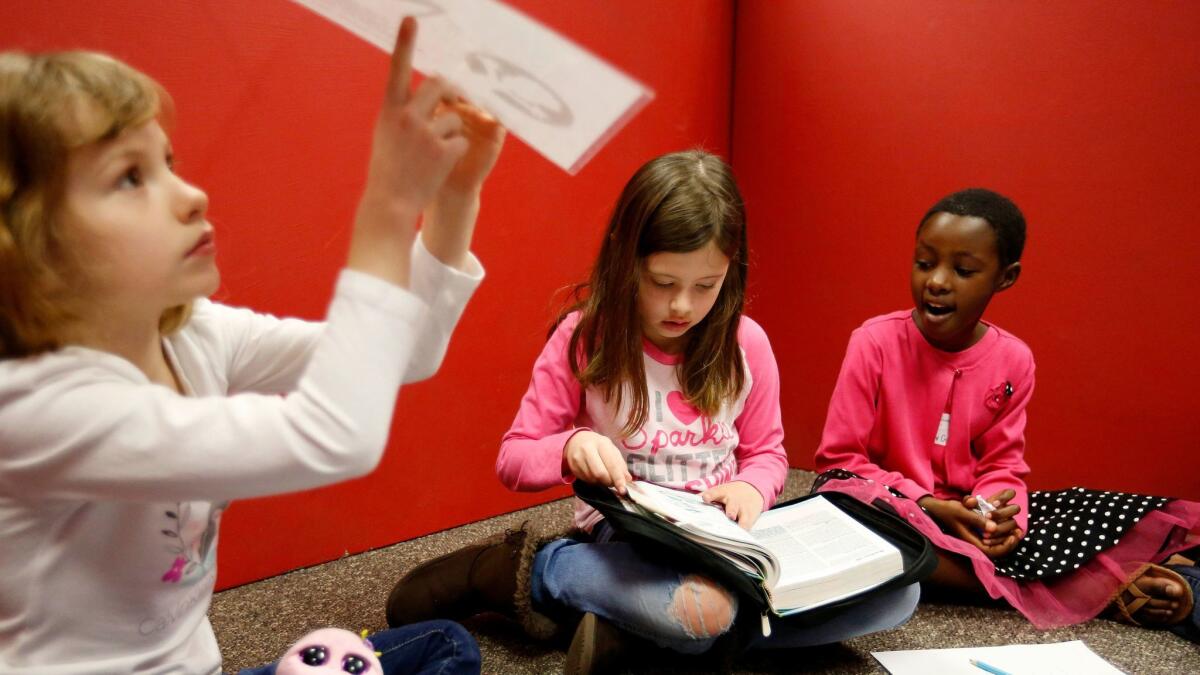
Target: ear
1008,277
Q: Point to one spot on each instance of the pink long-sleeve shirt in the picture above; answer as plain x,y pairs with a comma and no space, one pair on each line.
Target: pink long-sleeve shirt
677,447
886,415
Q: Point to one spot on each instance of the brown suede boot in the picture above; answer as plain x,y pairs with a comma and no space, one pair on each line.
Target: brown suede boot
598,647
491,576
601,647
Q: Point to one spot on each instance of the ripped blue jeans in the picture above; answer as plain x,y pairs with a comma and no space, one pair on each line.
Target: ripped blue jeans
614,580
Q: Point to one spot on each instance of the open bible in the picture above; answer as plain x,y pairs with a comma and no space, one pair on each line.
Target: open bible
808,553
818,551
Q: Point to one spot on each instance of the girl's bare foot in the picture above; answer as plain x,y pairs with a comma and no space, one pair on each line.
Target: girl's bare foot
1155,597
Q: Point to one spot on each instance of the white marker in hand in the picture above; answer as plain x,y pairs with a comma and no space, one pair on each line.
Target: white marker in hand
983,506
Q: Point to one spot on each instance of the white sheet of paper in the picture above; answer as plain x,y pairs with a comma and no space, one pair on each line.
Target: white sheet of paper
1055,658
560,99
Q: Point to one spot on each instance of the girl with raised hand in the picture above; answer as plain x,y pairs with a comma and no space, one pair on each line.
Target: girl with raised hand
132,408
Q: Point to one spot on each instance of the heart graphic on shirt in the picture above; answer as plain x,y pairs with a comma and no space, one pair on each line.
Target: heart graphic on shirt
684,411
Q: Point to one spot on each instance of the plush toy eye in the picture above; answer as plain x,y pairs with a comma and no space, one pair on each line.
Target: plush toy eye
354,664
314,656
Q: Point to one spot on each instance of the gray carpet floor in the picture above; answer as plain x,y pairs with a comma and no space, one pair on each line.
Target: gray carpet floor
256,623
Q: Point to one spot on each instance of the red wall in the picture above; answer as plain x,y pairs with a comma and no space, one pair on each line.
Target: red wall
275,107
852,118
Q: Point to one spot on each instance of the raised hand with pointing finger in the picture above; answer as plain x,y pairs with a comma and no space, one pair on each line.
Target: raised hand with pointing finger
416,143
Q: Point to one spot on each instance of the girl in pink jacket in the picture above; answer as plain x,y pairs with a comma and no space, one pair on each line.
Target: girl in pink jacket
928,416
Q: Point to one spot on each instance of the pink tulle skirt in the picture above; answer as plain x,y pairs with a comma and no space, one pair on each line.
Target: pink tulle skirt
1074,597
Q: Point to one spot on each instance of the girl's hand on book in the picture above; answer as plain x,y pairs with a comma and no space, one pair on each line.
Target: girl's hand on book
592,458
741,500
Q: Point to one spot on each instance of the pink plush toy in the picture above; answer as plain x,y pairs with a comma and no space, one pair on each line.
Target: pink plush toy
330,650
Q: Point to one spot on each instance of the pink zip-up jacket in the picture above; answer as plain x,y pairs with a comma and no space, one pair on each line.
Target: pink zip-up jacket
886,416
677,447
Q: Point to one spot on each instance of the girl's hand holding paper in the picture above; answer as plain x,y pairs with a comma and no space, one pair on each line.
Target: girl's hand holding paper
485,136
450,219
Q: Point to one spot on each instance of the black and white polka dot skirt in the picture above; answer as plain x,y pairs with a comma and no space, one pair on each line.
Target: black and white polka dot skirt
1067,528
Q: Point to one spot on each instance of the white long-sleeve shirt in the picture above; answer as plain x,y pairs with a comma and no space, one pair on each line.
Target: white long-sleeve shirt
111,487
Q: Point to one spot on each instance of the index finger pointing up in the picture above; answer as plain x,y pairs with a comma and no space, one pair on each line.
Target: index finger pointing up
400,75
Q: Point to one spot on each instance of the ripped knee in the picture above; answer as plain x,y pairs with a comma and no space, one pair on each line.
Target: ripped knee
703,608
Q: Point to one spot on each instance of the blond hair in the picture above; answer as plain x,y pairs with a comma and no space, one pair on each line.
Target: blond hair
51,104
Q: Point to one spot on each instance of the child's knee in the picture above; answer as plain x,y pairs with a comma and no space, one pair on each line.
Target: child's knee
703,608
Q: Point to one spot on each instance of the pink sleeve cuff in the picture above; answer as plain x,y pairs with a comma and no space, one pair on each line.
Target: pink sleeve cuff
765,483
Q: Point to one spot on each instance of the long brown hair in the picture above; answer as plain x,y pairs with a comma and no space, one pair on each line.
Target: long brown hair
675,203
51,104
